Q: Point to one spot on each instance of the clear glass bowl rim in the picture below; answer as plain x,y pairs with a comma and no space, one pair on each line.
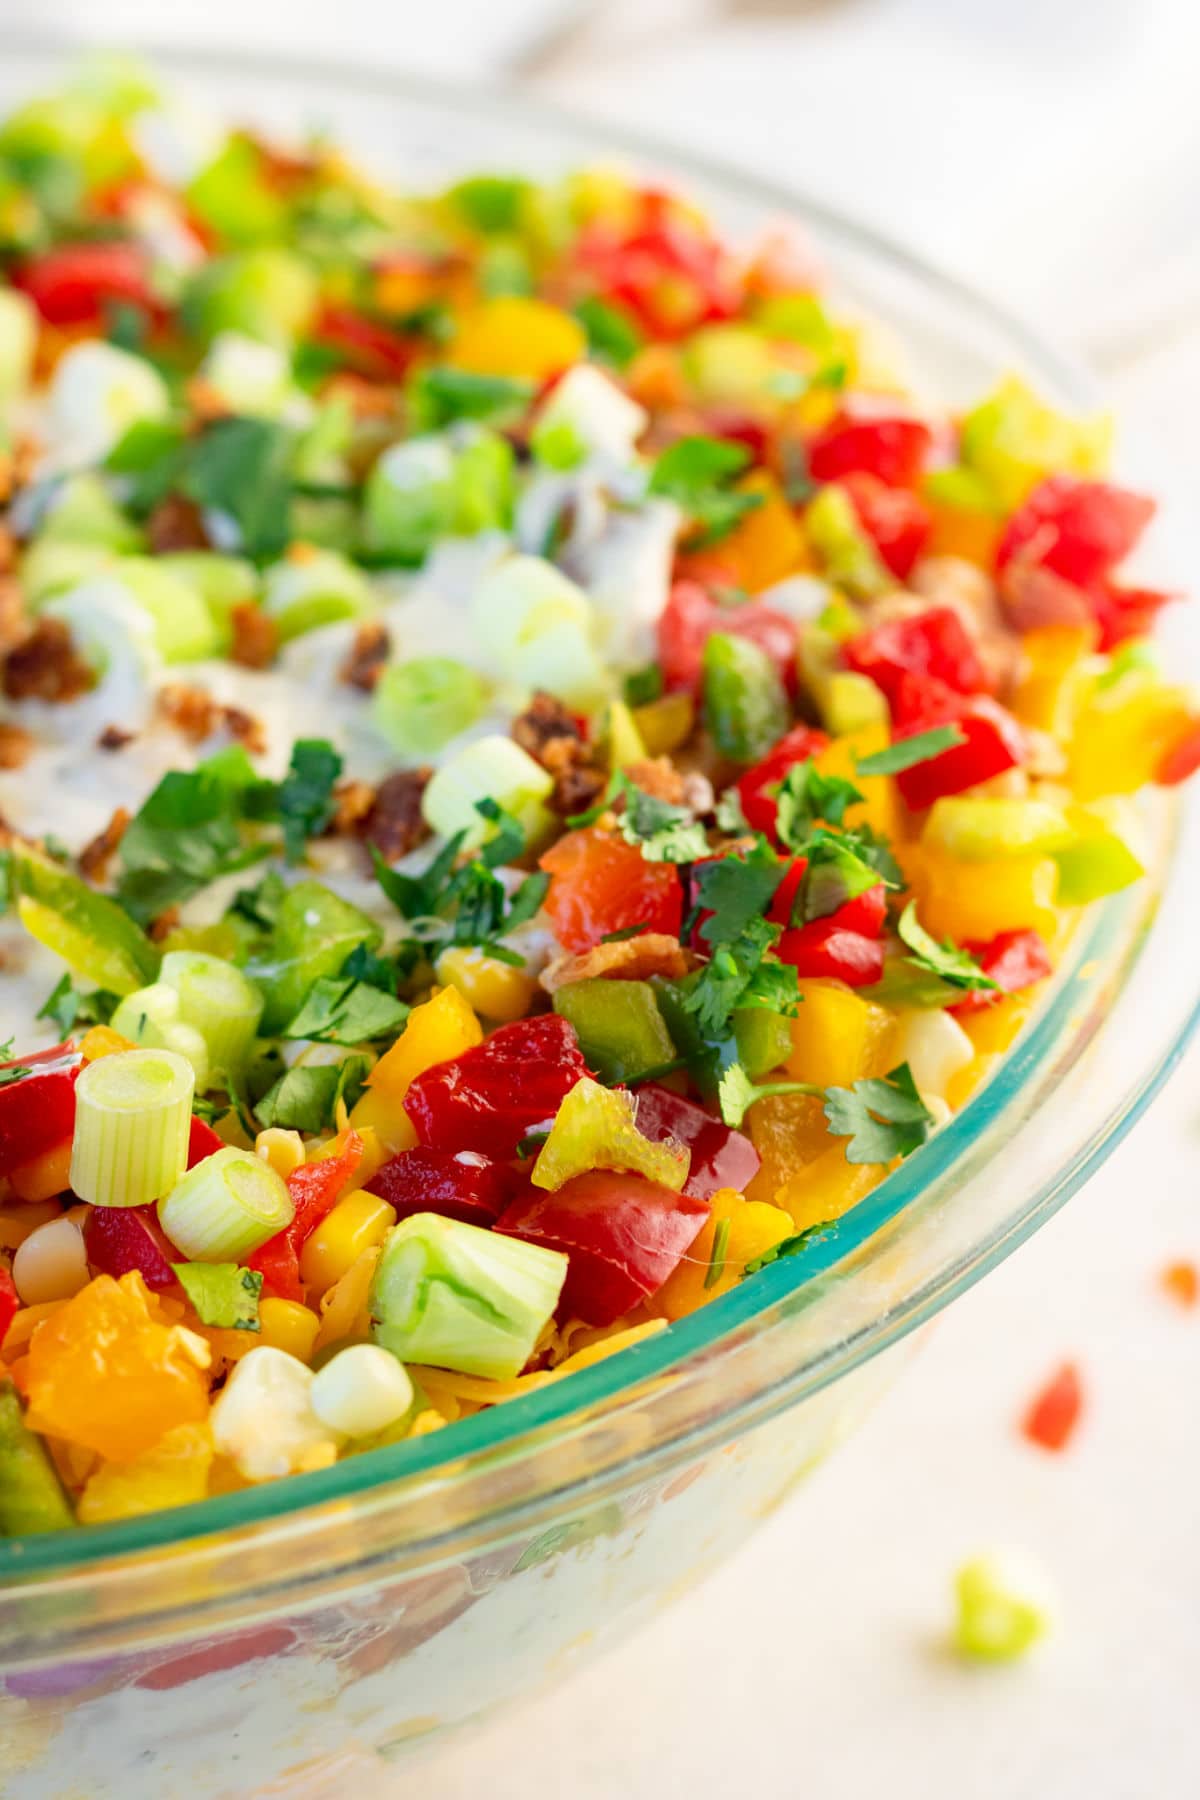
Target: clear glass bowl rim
506,1430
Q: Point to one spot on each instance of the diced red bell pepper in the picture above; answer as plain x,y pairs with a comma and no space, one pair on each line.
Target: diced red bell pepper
490,1097
458,1184
994,741
932,645
1034,597
1054,1413
864,913
118,1239
202,1142
825,950
10,1300
1182,759
896,520
316,1188
1079,529
74,283
758,803
623,1236
365,344
690,618
600,884
721,1157
1123,613
890,447
668,271
37,1111
1013,960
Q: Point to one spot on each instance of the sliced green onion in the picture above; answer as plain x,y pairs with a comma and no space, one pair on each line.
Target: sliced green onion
301,595
184,630
133,1114
218,1001
226,1207
492,768
151,1017
421,704
456,1297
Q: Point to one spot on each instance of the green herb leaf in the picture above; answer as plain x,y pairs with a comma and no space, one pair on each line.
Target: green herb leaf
625,931
68,1006
614,788
695,472
507,841
835,874
306,803
946,961
720,1250
527,900
806,795
882,1118
305,1098
874,848
662,832
737,890
643,686
738,975
790,1246
736,1093
185,835
241,467
612,333
340,1011
906,753
18,1070
260,904
224,1295
440,395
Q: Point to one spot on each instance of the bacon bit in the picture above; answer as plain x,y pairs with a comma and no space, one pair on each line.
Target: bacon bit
658,777
114,737
245,729
7,476
13,623
554,738
16,746
544,721
630,959
94,857
164,925
255,636
394,823
176,524
191,710
1180,1281
576,788
45,666
1054,1413
368,654
354,800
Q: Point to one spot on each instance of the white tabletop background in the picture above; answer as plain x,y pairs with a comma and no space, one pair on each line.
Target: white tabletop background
1050,152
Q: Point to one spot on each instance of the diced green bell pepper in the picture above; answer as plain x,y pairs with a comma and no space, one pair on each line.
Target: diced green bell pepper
1099,860
846,553
745,705
984,830
619,1026
31,1498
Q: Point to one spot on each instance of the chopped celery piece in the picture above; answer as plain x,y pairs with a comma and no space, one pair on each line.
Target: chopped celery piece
318,588
456,1297
982,830
729,365
410,499
31,1497
421,704
216,1000
222,582
96,393
184,630
314,932
84,512
95,937
18,340
620,1028
596,1128
483,482
1003,1610
49,568
267,294
151,1017
133,1114
846,554
745,705
1099,858
226,1207
491,768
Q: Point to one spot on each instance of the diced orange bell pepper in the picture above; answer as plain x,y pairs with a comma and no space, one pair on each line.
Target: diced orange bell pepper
442,1028
173,1472
43,1176
768,543
960,532
513,334
837,1037
789,1131
753,1229
1050,661
974,902
828,1187
880,807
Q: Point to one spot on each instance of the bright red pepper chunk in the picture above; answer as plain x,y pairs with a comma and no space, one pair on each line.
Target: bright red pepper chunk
896,520
893,449
119,1239
1013,960
490,1097
758,803
993,740
458,1184
316,1188
623,1236
1124,613
10,1301
1079,529
74,283
865,913
37,1111
1054,1413
202,1142
365,344
690,618
721,1157
933,645
825,950
600,884
1182,759
667,271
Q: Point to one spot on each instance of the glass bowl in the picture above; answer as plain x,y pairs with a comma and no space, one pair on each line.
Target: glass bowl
295,1637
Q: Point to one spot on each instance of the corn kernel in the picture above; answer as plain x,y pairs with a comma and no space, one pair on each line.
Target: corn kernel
286,1325
282,1150
490,987
358,1221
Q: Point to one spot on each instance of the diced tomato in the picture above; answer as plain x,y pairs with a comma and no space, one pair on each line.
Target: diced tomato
365,344
721,1157
120,1238
10,1300
458,1184
897,521
994,741
824,949
1054,1413
600,884
1182,759
74,283
1079,529
932,645
623,1236
668,271
1014,960
202,1141
316,1188
890,447
689,619
490,1097
37,1111
758,804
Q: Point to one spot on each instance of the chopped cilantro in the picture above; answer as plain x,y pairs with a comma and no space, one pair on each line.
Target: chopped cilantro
882,1118
729,814
720,1251
185,835
806,796
508,839
835,874
439,395
305,1098
611,331
662,832
738,974
736,1093
696,472
625,932
68,1006
365,964
736,890
338,1010
241,467
643,686
260,904
224,1295
790,1246
946,961
906,753
874,848
16,1071
305,796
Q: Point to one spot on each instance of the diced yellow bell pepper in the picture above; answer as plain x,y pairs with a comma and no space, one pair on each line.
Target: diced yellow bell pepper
358,1221
1122,734
992,1028
286,1325
492,988
514,334
768,543
880,808
957,531
837,1037
788,1131
973,902
828,1187
753,1229
663,725
102,1040
344,1312
173,1472
442,1028
1050,661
